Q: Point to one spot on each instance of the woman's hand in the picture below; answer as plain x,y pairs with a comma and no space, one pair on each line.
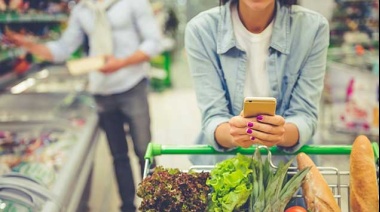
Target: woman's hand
262,130
112,65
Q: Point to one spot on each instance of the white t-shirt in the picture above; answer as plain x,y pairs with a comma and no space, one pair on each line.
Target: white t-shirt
256,47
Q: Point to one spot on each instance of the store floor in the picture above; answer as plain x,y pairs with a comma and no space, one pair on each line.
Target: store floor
176,120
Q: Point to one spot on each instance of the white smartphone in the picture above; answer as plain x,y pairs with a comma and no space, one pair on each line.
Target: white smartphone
255,106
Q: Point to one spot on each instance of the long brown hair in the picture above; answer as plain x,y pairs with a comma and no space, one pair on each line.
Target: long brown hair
283,2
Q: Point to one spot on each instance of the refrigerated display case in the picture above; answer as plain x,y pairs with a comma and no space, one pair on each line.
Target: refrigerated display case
49,132
51,79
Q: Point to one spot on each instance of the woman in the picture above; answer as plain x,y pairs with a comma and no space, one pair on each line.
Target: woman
257,48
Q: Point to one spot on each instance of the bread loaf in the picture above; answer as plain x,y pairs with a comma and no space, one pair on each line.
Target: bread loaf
364,191
317,193
85,65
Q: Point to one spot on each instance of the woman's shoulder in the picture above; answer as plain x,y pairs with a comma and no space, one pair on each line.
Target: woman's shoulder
207,19
307,16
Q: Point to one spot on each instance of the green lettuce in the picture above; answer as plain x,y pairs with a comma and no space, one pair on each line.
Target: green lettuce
231,184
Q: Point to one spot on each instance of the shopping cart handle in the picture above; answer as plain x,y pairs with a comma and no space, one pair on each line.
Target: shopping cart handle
154,150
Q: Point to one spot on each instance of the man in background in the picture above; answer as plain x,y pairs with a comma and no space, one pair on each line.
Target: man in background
126,34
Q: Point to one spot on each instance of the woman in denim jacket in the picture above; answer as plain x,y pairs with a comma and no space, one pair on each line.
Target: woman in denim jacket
257,48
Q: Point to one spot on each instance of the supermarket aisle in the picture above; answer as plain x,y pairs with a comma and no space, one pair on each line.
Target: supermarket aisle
175,120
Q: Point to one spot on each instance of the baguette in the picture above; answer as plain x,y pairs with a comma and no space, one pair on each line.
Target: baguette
317,193
364,191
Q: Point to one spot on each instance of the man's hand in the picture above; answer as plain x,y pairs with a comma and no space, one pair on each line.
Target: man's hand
112,64
18,39
29,43
263,130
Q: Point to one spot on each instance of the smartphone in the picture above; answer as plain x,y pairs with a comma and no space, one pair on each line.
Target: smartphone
255,106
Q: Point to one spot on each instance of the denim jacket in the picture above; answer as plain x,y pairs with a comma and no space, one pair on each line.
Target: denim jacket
296,67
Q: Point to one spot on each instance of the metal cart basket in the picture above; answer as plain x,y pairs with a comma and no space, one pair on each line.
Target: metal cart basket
338,180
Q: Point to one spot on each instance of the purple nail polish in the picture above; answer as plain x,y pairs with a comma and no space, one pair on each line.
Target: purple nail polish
260,118
253,138
250,124
249,131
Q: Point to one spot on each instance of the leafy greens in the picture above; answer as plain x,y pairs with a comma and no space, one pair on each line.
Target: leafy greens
170,190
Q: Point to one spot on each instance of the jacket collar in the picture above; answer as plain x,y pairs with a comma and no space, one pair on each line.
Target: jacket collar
280,37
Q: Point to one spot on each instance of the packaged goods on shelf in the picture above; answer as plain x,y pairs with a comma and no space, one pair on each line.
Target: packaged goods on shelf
40,20
352,87
37,153
48,138
355,21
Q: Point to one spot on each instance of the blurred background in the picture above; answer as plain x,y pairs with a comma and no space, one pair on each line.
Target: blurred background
48,123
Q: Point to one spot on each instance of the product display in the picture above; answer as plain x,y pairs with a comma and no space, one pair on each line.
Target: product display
37,154
37,20
352,93
355,22
351,89
47,130
21,193
23,6
51,80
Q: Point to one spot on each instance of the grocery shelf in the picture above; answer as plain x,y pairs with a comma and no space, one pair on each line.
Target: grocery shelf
9,54
16,18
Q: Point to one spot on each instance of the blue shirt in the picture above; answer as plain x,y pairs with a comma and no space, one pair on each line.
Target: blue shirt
133,27
296,66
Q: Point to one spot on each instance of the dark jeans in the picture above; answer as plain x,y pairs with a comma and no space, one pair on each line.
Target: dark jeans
84,203
130,107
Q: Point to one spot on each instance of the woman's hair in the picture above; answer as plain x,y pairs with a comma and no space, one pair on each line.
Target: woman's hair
283,2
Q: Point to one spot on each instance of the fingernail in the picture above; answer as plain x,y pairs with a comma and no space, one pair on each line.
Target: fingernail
253,138
260,118
249,131
250,124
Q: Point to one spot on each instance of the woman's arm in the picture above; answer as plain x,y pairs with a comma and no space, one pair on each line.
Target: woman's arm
223,136
211,95
306,95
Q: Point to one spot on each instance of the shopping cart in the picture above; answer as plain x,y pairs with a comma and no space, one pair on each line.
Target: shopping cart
337,180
